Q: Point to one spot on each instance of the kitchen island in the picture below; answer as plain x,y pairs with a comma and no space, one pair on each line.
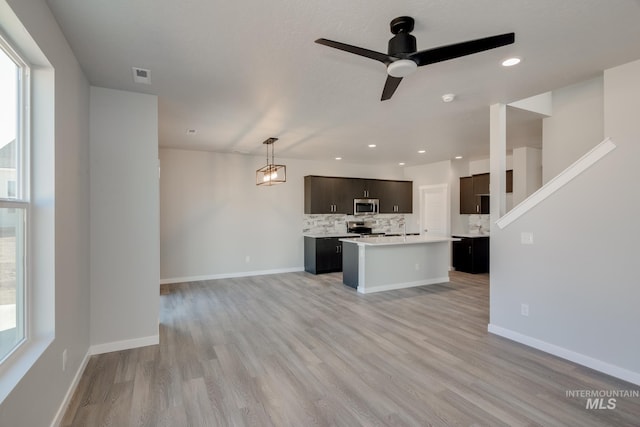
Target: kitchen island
374,264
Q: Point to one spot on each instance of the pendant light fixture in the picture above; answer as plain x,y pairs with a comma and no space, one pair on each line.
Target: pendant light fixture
271,174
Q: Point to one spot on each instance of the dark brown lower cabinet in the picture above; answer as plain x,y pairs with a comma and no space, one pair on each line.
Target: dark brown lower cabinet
471,254
322,254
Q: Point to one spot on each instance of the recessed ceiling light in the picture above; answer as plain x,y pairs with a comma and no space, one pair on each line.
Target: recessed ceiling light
422,151
338,158
458,157
510,62
372,145
401,164
448,97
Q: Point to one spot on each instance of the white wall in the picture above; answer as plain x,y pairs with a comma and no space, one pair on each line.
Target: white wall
37,397
575,127
125,267
527,172
580,277
213,216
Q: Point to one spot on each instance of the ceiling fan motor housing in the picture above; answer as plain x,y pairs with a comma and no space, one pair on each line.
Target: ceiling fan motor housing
402,41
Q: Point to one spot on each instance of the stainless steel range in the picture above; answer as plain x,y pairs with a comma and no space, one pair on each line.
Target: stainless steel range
359,227
363,228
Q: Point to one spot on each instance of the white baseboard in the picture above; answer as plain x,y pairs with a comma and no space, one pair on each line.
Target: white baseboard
228,275
581,359
394,286
72,388
99,349
124,345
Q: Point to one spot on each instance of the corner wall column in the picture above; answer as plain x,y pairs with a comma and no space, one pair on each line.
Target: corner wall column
498,160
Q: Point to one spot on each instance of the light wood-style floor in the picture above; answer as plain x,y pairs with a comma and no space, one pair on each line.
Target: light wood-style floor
301,350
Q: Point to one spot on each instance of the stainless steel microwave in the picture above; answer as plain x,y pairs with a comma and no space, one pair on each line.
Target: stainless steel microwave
366,206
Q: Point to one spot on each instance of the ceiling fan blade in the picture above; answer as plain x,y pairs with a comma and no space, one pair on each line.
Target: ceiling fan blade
390,87
444,53
382,57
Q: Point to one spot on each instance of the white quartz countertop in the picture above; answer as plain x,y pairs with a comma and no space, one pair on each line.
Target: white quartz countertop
397,240
330,235
470,235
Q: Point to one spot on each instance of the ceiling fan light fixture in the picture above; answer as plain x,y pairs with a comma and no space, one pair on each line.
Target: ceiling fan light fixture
401,68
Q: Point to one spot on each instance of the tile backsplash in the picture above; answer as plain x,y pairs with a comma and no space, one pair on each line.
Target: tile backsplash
337,223
480,224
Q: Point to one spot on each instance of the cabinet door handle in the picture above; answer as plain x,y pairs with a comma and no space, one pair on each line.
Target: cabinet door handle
469,250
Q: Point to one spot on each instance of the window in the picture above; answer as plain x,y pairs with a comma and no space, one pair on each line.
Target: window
14,206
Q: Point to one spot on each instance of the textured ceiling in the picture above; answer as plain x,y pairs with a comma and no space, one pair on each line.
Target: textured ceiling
242,71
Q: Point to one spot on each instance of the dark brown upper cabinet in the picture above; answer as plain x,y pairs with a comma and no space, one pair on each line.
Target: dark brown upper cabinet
326,195
396,196
481,184
474,192
467,196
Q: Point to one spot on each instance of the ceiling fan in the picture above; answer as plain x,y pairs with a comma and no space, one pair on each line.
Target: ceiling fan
402,58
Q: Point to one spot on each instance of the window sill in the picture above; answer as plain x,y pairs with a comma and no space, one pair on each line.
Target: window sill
16,366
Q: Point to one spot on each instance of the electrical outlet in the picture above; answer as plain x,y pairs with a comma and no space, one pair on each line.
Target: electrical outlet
524,309
247,259
526,238
417,266
64,359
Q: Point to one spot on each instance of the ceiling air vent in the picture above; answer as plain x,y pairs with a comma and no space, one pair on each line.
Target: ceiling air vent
140,75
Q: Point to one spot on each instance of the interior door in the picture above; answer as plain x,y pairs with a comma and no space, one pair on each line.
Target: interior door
434,210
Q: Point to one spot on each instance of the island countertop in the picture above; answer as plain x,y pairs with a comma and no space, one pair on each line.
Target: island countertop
330,235
397,240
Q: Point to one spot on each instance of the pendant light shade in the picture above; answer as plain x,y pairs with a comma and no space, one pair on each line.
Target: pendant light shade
271,174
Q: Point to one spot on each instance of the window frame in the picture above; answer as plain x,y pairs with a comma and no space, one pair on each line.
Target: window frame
21,200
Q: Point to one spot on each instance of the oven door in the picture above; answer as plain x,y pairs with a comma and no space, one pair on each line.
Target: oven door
365,206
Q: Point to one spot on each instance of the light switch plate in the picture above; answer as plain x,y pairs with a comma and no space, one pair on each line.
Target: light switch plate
526,238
